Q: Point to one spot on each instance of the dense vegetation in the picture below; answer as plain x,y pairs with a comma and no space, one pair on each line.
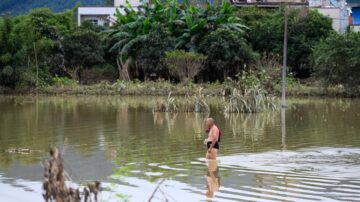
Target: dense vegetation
306,28
231,43
336,59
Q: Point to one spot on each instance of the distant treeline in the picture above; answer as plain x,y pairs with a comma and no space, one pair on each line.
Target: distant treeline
229,42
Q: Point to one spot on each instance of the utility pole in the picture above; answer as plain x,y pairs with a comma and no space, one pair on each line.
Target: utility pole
283,101
283,92
37,67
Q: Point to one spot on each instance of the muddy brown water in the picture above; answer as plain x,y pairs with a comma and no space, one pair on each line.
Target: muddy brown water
119,141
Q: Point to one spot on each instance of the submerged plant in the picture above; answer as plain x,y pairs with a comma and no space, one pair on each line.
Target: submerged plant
166,105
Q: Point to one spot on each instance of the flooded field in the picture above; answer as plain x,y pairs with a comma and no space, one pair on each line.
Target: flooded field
121,142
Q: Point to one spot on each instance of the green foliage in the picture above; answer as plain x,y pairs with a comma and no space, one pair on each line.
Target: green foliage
305,30
216,42
268,70
83,49
184,65
141,37
63,81
251,100
249,95
336,59
227,51
149,57
27,41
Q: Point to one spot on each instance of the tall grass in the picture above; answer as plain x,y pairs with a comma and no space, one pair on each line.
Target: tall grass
166,105
251,100
196,103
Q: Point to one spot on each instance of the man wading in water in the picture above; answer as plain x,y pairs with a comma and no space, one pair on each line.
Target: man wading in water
212,142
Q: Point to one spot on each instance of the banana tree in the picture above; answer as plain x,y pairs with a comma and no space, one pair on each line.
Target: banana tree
130,30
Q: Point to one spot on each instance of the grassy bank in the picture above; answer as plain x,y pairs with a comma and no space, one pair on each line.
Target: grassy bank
162,88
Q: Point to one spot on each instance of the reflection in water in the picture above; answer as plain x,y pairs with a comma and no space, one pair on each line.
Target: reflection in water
167,118
283,128
319,160
212,179
252,129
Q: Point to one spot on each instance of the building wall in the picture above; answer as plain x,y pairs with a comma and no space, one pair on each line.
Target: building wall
103,15
355,28
100,20
319,3
339,17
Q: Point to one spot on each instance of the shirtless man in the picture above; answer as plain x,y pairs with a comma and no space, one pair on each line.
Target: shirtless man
212,141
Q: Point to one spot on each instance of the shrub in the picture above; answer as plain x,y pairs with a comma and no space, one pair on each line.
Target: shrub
184,65
63,81
336,59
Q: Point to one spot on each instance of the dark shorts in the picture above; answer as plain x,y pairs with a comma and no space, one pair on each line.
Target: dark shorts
216,146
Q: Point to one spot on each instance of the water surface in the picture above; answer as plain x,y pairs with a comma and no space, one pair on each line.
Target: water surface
119,141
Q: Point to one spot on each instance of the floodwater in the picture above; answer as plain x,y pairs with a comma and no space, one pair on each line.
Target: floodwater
315,156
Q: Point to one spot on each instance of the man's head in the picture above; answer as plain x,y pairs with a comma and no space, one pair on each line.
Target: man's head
210,122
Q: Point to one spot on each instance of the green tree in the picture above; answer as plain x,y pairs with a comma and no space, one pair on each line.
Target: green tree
83,49
184,65
336,59
180,26
33,39
227,51
196,22
305,30
7,75
151,53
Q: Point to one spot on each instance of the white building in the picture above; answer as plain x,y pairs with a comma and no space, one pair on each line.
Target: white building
336,10
102,15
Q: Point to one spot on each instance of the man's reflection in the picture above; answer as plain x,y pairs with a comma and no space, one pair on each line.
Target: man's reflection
212,178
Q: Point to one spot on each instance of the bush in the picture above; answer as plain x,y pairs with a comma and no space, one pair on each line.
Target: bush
227,51
184,65
336,59
63,81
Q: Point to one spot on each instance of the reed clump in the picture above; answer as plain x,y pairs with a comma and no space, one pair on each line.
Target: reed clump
196,103
166,105
251,100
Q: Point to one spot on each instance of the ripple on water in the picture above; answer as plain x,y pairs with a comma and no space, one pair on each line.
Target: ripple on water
334,162
313,174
